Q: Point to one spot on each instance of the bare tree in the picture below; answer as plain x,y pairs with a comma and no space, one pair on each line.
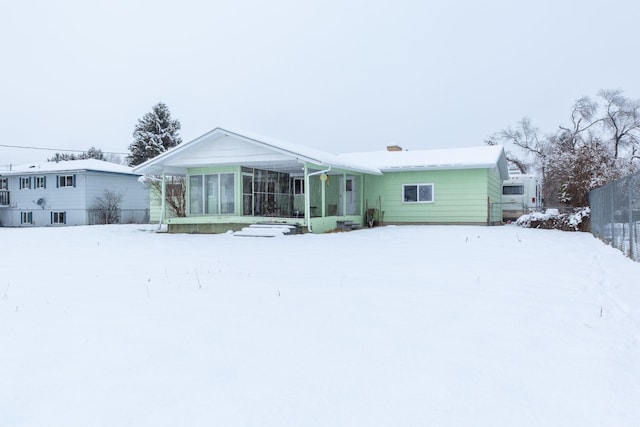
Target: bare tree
175,193
621,121
600,143
524,146
106,208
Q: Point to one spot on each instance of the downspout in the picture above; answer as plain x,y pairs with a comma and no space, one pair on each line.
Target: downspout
307,195
163,200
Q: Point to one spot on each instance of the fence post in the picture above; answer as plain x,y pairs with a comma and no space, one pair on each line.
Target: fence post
613,217
630,197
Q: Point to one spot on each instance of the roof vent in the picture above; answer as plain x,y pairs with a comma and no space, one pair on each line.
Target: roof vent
394,148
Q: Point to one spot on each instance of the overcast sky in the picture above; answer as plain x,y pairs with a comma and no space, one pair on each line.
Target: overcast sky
336,75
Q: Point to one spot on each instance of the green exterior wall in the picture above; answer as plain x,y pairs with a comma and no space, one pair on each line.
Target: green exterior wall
460,196
494,185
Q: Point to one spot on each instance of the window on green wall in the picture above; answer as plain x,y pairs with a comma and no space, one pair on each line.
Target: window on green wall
417,193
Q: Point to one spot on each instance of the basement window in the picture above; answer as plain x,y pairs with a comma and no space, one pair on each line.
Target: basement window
26,217
58,217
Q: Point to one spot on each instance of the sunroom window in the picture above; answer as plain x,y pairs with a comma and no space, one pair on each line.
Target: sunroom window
212,194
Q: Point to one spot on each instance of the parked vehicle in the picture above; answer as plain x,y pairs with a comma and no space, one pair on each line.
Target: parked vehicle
521,194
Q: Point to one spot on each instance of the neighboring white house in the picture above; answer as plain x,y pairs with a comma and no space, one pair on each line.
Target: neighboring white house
66,193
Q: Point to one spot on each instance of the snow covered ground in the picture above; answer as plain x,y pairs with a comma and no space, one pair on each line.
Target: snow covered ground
394,326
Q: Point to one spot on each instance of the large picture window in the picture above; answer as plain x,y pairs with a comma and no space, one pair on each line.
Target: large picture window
417,193
212,194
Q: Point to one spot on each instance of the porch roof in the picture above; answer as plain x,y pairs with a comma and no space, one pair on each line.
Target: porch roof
225,147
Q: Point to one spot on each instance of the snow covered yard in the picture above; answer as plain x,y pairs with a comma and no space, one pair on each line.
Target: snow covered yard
394,326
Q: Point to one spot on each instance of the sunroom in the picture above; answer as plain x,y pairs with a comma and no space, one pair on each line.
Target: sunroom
233,180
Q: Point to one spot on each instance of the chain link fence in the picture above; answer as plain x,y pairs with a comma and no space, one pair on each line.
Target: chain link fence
615,214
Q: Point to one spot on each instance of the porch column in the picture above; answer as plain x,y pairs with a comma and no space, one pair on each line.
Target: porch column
163,194
324,196
343,192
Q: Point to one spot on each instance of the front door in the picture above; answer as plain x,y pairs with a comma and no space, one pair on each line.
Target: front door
348,196
350,192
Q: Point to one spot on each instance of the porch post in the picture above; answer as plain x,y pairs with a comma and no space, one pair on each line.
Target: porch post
323,185
163,195
307,198
343,192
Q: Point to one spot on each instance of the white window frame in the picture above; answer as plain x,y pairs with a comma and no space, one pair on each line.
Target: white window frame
58,217
198,200
418,200
40,182
25,182
26,217
4,184
64,179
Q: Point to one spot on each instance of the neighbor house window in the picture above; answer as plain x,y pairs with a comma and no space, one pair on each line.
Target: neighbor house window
26,217
66,181
58,217
25,182
4,185
417,193
513,189
41,181
212,194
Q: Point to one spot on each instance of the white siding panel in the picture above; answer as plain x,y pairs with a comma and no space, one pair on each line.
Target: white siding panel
134,194
229,150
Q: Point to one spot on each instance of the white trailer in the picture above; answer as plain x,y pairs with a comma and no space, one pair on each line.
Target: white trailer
521,194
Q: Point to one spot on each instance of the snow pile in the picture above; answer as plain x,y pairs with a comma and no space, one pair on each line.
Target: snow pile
407,326
552,219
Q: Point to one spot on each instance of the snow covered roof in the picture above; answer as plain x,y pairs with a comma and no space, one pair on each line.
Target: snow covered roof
451,158
179,156
68,166
189,155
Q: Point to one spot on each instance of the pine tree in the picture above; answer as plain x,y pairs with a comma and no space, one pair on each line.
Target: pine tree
92,153
154,134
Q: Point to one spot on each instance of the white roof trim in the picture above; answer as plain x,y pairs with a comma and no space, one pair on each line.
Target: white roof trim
374,163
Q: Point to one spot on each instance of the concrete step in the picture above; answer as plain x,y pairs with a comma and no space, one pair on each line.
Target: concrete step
266,230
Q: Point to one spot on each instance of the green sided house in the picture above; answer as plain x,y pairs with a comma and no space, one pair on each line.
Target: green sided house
237,179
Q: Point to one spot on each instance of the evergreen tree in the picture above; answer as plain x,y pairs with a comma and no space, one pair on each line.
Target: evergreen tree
154,134
92,153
